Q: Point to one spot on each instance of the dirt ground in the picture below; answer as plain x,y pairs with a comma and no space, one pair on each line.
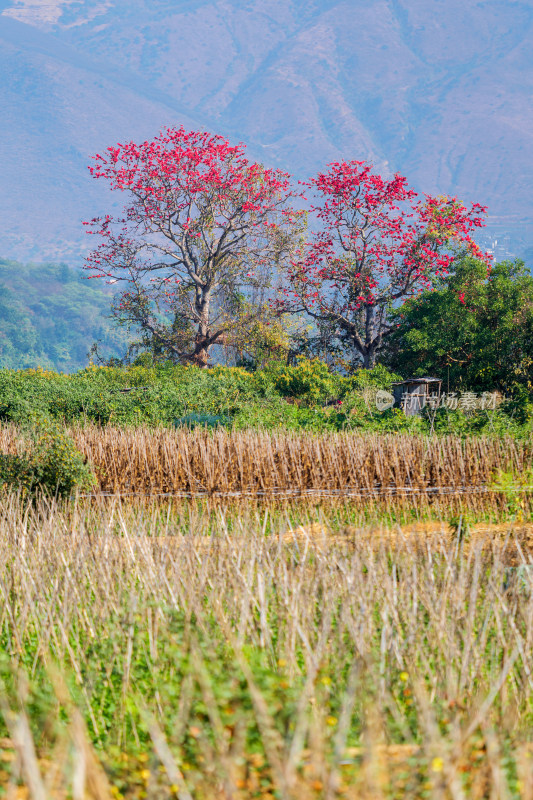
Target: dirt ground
513,539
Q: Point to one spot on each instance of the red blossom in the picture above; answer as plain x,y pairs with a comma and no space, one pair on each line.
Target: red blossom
200,214
376,244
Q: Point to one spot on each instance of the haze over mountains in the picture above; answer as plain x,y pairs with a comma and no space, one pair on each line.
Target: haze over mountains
440,90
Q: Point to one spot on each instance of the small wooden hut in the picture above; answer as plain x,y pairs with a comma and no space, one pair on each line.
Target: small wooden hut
412,394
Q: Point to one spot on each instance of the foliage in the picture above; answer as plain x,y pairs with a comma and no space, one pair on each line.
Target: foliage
266,337
49,316
311,381
303,396
205,229
515,487
379,377
50,463
475,329
376,246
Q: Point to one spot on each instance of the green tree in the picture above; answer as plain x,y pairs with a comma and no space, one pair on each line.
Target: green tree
474,330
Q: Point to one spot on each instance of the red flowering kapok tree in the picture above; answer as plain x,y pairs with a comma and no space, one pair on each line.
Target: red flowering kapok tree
377,245
201,230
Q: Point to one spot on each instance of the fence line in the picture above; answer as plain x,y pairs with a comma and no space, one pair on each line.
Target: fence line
378,492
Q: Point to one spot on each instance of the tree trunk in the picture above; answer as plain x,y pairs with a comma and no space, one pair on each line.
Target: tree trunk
370,358
203,344
202,341
200,355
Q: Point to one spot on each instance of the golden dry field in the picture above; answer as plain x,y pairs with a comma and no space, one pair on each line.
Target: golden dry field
400,470
176,649
280,616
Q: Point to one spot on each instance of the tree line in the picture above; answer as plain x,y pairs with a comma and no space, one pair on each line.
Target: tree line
214,251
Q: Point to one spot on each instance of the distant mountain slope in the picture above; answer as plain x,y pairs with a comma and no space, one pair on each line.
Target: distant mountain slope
50,316
439,90
58,108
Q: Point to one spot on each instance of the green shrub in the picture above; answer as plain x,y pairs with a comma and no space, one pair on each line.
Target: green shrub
379,377
519,406
515,487
51,463
309,380
15,471
304,396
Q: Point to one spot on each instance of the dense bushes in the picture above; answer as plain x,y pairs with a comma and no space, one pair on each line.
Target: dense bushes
304,396
160,394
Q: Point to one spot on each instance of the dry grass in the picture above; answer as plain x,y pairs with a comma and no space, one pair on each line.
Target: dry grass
161,460
256,463
174,461
382,472
160,653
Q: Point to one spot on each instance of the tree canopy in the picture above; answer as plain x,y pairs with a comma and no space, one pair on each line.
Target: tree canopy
202,233
376,245
475,329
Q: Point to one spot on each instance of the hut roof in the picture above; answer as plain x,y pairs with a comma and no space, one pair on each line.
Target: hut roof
417,380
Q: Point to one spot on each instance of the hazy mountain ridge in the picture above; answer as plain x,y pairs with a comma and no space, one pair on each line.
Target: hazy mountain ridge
440,91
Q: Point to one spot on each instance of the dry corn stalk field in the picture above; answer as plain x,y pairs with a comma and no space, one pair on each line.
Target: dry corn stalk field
254,463
169,651
408,472
163,461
